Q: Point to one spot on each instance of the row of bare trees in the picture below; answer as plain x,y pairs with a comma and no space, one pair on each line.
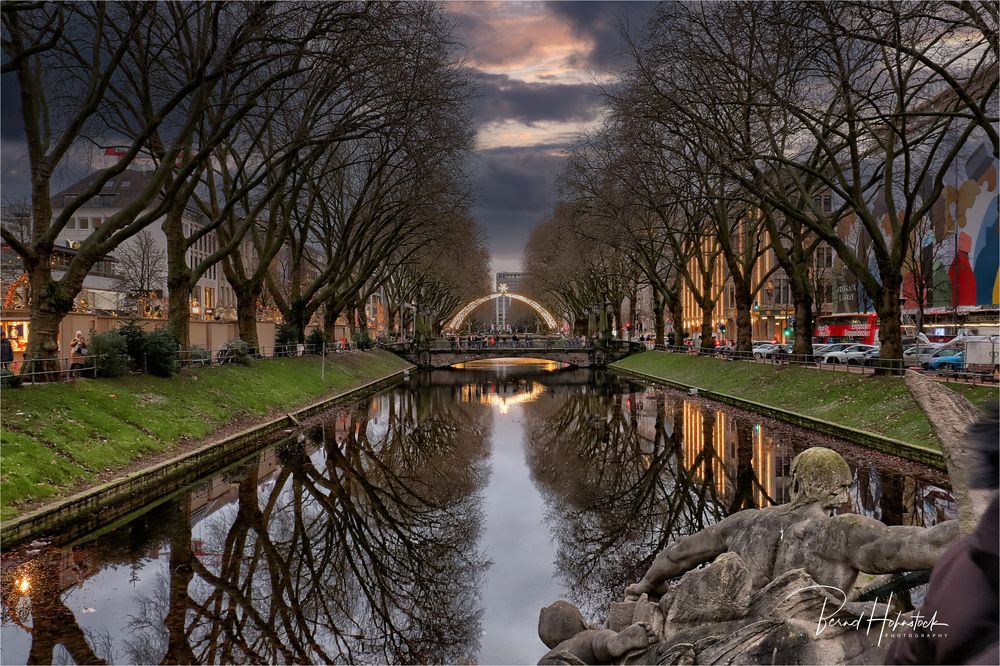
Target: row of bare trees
744,128
318,144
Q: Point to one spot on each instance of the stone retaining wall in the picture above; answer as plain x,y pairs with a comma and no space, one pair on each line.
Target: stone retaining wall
98,506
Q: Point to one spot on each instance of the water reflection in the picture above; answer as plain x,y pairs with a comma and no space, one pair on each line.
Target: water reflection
627,471
368,540
357,544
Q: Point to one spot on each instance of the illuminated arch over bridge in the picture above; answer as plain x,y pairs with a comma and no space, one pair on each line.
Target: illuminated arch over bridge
457,320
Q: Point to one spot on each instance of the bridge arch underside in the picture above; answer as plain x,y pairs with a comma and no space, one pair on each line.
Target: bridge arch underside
443,359
456,321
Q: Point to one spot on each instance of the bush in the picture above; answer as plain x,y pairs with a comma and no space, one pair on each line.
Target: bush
235,351
362,341
9,380
160,349
135,343
199,355
109,353
286,337
315,339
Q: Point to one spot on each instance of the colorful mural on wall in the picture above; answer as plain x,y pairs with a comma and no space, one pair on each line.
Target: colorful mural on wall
970,235
960,245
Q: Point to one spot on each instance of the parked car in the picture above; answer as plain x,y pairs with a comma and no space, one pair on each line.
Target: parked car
830,348
853,355
918,354
946,359
777,351
760,350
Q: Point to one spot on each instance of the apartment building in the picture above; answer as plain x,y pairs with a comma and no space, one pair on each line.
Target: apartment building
212,297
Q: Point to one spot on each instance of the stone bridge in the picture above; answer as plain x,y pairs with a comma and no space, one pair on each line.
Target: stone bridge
444,354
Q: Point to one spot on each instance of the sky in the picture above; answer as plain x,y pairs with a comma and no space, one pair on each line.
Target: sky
539,66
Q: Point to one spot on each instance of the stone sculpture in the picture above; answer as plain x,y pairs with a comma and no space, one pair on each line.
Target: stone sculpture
774,573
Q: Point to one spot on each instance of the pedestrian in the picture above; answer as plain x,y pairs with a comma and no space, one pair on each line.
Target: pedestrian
6,351
78,353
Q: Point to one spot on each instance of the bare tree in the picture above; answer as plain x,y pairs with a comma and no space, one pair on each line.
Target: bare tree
141,265
139,76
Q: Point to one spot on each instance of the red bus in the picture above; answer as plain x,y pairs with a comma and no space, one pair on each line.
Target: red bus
859,327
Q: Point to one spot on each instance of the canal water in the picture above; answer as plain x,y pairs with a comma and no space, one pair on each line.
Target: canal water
428,523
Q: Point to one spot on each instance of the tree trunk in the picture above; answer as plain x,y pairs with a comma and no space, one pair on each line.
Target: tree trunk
744,324
298,318
675,302
890,323
706,326
362,317
178,310
659,326
178,279
47,309
330,322
803,321
246,316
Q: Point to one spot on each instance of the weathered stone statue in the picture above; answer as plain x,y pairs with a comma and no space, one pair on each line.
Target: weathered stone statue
804,534
561,627
775,574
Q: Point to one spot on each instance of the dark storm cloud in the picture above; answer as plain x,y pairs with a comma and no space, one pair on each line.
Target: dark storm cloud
516,190
504,98
602,23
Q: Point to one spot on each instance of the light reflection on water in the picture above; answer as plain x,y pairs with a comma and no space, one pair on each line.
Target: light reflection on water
428,523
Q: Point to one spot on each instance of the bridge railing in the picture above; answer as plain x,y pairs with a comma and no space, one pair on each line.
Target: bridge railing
508,343
496,343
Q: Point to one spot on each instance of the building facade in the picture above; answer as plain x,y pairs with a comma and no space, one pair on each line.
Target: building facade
506,282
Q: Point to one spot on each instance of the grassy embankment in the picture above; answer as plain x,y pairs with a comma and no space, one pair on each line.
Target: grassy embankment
880,405
58,436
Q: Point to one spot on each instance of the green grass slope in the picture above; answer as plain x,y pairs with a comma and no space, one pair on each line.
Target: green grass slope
880,405
57,435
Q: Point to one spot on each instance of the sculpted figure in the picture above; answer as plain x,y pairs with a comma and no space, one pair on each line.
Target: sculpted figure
562,628
804,535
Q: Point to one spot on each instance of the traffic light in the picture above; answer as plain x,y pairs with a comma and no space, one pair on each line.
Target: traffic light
788,331
628,326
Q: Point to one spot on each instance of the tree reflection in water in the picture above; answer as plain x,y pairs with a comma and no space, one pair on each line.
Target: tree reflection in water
359,544
626,471
360,547
617,486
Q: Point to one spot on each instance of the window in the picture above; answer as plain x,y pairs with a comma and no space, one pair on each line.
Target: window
209,298
97,221
71,223
84,223
824,256
125,184
824,202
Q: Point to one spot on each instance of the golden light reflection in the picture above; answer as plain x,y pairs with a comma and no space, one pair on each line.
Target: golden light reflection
724,458
490,394
23,585
540,363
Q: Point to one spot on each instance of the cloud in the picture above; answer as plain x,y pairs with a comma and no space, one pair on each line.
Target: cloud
520,38
600,24
504,98
516,188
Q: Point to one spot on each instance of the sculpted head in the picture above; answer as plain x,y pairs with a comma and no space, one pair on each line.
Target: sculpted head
820,475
